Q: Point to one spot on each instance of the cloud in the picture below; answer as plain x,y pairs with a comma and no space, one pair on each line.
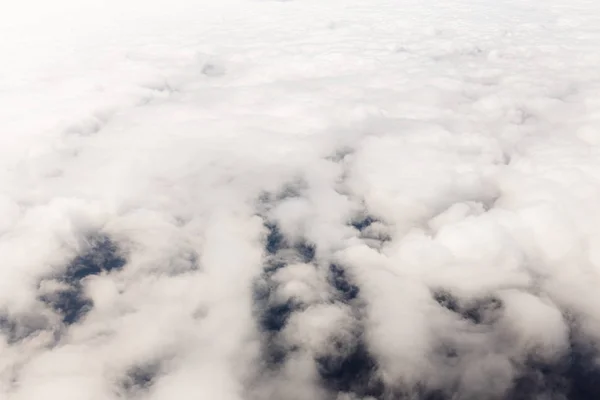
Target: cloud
249,200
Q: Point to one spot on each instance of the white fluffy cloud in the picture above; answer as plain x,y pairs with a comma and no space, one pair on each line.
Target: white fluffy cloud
252,200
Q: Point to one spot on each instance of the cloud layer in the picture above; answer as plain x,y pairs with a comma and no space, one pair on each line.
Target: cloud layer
258,200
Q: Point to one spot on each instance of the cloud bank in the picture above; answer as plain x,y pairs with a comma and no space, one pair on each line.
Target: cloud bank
258,200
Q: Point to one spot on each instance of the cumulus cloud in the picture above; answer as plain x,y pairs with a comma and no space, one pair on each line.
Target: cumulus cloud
247,200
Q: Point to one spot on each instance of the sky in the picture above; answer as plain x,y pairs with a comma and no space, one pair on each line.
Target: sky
300,200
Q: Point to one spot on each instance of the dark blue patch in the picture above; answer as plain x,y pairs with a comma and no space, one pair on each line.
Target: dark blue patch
274,353
272,318
575,377
363,223
102,256
583,372
271,314
339,281
540,381
350,367
275,316
275,240
481,311
140,377
352,371
71,303
306,251
267,200
273,266
446,300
